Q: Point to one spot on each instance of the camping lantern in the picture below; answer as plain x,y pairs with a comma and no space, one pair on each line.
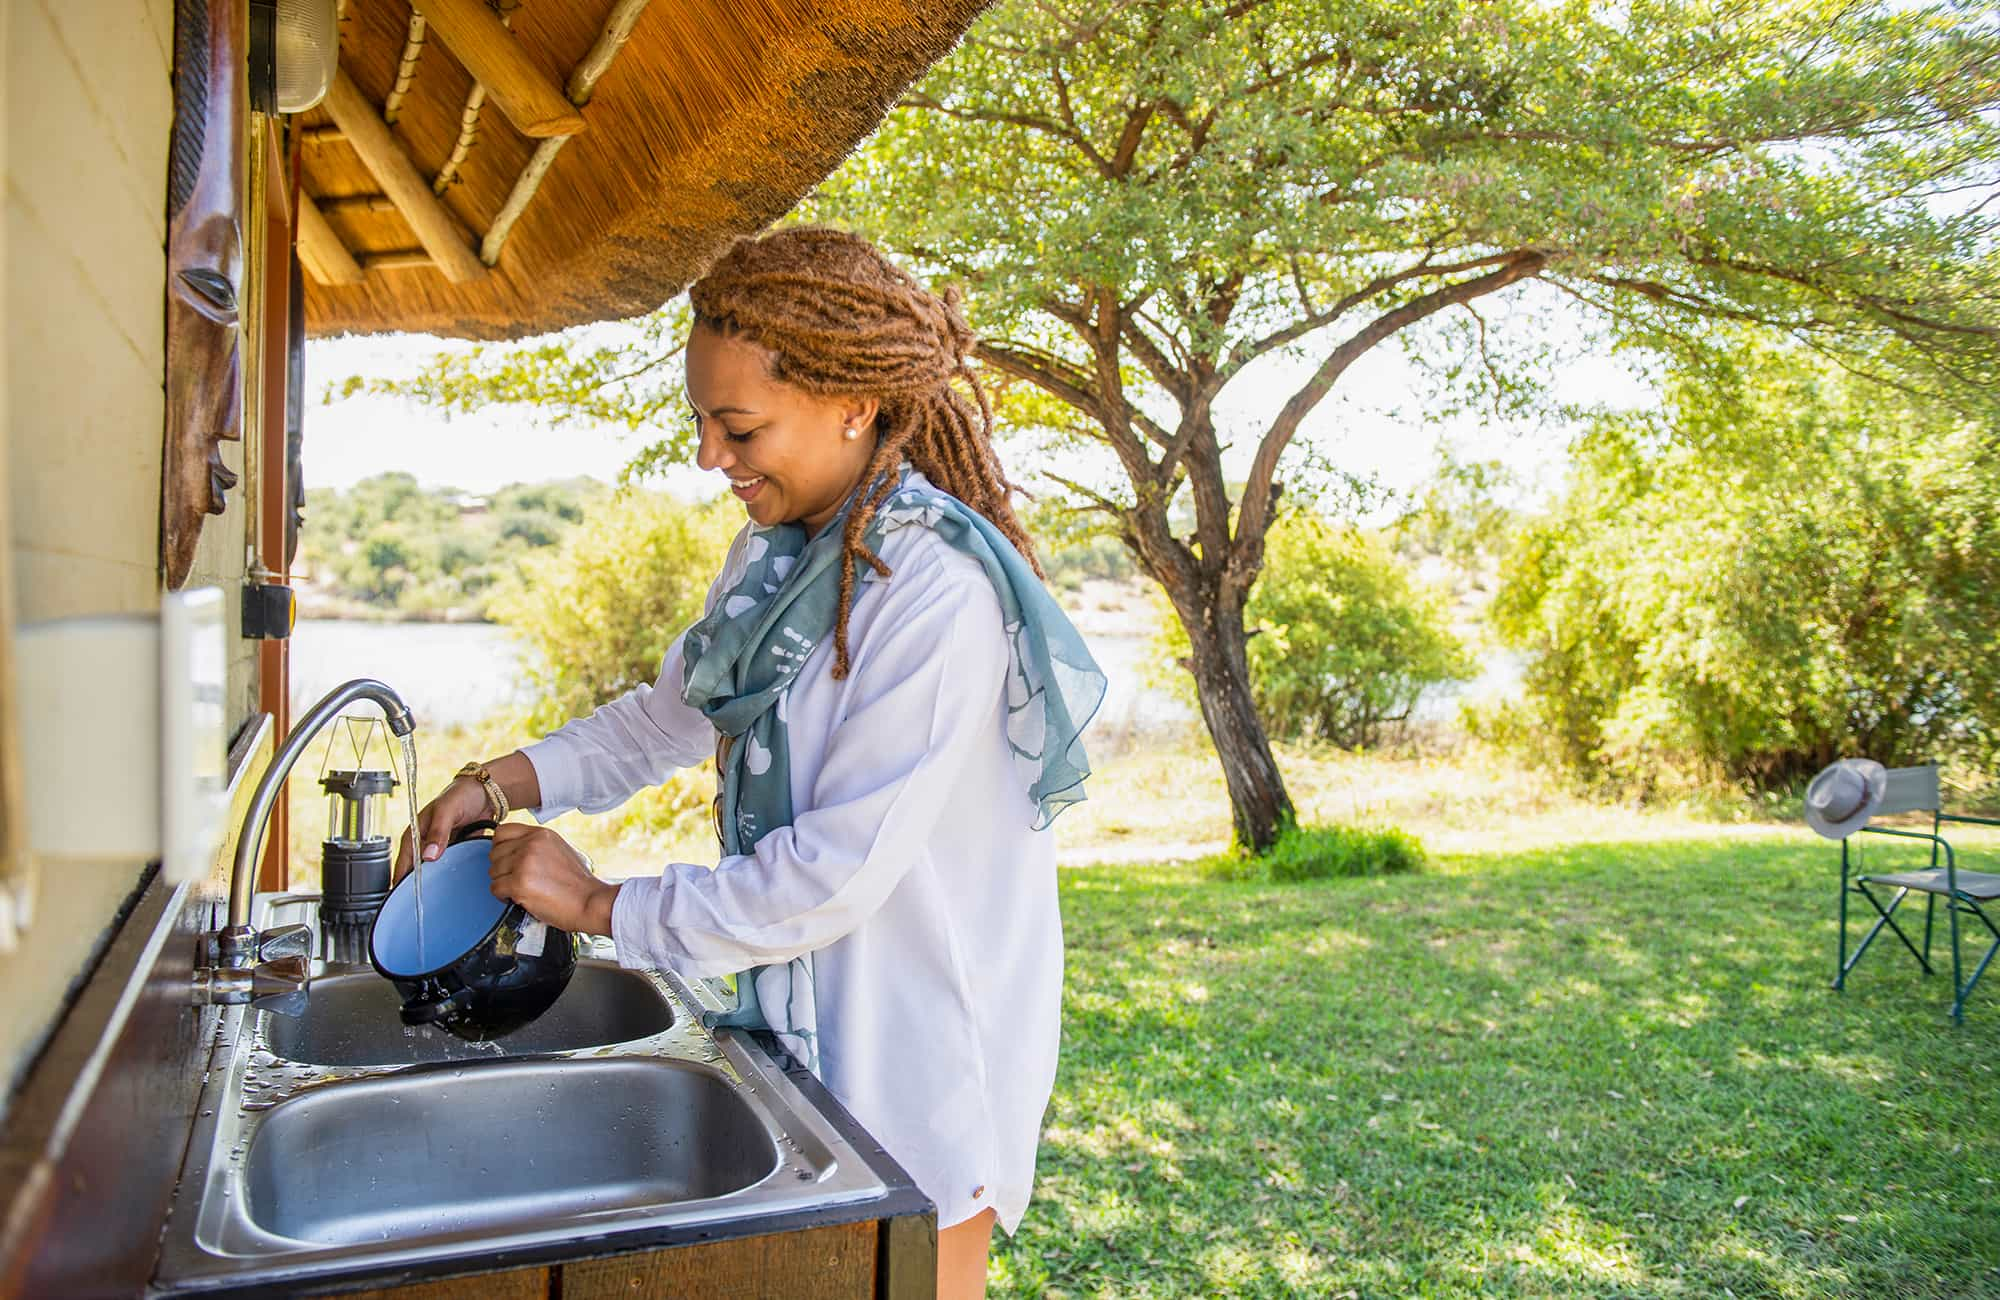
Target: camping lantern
356,854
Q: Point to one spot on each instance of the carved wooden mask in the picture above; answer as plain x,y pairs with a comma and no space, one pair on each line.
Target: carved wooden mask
204,272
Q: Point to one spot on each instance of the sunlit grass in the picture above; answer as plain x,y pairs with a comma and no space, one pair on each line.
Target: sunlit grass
1165,799
1597,1069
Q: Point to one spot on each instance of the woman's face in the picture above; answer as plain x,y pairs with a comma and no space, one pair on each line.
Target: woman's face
786,452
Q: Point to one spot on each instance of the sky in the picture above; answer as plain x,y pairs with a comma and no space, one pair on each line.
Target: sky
1374,425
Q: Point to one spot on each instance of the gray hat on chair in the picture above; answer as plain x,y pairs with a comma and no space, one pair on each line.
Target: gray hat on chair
1841,799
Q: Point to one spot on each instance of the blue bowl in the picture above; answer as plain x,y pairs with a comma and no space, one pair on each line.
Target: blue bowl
484,968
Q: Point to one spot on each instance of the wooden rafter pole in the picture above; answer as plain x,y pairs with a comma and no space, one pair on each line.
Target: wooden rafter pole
480,41
353,203
398,176
396,260
618,25
326,259
406,69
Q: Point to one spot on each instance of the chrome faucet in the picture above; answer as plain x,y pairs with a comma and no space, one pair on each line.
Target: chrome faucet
273,967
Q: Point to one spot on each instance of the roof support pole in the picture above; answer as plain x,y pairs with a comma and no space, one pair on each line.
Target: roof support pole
398,176
475,35
618,25
326,259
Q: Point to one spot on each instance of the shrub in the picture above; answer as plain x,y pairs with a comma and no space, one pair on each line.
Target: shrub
1070,564
1323,853
598,612
1343,643
1784,566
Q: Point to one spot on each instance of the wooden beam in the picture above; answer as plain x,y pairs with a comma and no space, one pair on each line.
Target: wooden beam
617,29
326,258
399,259
474,33
400,180
350,204
611,38
524,189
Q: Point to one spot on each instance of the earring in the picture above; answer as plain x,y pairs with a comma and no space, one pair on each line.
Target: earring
852,433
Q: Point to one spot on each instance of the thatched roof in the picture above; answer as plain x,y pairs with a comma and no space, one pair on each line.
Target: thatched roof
711,121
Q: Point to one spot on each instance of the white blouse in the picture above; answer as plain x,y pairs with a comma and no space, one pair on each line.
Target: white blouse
911,870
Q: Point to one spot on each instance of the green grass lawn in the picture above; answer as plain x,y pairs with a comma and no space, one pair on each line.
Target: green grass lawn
1604,1069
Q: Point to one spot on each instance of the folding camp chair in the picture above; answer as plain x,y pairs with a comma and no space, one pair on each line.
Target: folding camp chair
1915,789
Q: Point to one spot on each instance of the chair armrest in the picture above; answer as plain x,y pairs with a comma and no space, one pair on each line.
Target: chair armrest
1950,858
1963,819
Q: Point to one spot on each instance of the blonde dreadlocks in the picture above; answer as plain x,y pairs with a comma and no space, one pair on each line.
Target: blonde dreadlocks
839,319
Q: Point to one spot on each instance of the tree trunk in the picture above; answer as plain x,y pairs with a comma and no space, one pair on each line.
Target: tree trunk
1221,666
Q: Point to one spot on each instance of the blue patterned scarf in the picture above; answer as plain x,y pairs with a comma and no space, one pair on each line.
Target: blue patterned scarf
779,594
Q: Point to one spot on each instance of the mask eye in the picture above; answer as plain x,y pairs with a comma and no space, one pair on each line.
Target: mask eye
213,287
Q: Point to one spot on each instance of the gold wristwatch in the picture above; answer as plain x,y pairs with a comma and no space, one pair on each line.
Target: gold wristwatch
496,798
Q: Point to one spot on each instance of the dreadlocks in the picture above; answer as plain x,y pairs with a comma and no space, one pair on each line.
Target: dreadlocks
839,319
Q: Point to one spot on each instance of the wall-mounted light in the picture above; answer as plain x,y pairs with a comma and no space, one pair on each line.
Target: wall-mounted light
294,47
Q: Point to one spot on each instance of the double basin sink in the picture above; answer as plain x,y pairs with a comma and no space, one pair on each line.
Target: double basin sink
342,1143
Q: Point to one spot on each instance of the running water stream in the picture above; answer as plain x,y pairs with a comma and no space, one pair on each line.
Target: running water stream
416,845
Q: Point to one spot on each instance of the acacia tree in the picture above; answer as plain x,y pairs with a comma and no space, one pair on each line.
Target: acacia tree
1144,199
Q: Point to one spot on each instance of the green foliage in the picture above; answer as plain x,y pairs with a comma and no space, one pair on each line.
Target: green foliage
389,545
1344,642
1098,557
1214,184
1788,565
1074,545
598,612
1145,200
1458,515
1322,853
623,373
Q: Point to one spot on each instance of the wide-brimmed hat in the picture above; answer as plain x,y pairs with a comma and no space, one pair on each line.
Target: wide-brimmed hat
1841,799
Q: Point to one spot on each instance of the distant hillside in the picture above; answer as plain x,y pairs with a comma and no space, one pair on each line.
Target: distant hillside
390,548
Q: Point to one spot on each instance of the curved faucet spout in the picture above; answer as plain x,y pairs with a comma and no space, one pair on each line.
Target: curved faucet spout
238,939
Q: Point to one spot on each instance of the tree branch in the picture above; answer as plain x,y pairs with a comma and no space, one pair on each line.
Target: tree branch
1259,495
1128,141
1045,372
989,117
1098,501
1245,353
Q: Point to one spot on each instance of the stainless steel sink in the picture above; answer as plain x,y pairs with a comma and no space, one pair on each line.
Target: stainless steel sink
351,1019
506,1146
335,1147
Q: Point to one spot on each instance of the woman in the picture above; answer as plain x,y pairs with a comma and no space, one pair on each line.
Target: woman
894,703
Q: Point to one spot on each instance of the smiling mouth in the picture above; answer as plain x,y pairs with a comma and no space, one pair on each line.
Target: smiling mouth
745,488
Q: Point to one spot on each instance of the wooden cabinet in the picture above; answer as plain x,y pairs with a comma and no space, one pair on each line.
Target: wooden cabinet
881,1259
836,1261
522,1284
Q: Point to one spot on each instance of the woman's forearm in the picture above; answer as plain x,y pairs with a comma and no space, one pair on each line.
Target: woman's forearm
516,777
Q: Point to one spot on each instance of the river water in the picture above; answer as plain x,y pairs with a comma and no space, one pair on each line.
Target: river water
448,673
459,673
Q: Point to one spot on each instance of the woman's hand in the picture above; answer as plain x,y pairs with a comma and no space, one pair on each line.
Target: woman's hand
536,867
464,800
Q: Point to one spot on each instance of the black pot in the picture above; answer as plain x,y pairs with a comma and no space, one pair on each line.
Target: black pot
491,980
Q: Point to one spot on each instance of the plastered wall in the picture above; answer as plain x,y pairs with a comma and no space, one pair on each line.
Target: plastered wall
88,116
